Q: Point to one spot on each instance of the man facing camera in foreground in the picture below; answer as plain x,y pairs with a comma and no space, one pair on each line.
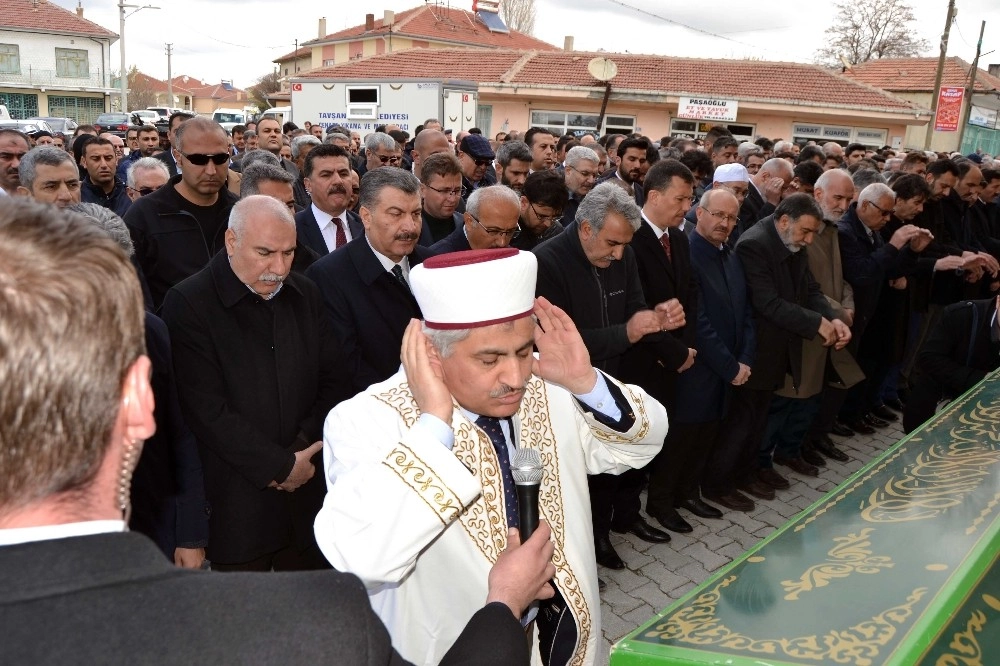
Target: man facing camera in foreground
75,407
418,467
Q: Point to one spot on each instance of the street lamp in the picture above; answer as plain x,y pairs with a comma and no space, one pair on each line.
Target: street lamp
121,43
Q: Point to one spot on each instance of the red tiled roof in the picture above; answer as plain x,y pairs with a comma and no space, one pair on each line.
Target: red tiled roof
741,79
295,55
158,86
45,16
917,74
437,23
198,88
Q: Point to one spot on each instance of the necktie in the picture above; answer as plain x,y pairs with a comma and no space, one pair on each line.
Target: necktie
665,242
341,236
397,270
491,426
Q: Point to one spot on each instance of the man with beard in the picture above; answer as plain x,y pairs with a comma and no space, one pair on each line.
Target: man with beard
327,224
257,372
543,201
14,145
513,164
366,287
179,227
632,154
581,174
101,186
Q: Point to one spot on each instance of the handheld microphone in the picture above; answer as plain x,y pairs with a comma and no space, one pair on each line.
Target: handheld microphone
526,468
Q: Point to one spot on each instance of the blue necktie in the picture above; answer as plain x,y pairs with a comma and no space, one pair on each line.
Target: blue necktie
491,426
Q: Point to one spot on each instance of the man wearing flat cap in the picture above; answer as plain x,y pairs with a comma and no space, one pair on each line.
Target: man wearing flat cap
475,155
420,497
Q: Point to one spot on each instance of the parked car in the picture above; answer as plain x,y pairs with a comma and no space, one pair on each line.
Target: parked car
115,123
145,117
26,126
64,125
165,111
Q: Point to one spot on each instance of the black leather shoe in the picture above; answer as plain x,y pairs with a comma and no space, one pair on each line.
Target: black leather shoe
735,500
861,427
798,465
813,457
671,520
647,532
773,479
875,421
700,509
758,489
896,404
606,555
830,450
841,430
884,413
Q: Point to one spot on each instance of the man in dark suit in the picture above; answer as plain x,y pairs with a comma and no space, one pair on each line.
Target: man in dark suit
365,285
631,158
764,194
788,307
490,221
167,156
589,271
271,139
441,190
327,224
726,344
78,588
257,371
961,349
663,260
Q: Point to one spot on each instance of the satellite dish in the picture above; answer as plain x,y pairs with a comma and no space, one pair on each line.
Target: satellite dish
602,69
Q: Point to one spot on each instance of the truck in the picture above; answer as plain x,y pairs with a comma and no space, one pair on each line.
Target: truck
362,105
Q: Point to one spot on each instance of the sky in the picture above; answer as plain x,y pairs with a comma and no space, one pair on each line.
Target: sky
237,39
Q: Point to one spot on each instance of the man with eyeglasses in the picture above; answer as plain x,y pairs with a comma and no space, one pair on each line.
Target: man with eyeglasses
177,229
327,224
490,221
733,177
590,272
475,155
145,176
13,146
543,205
441,190
869,263
381,150
581,174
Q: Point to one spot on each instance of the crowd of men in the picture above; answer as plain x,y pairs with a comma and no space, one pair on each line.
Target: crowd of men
766,295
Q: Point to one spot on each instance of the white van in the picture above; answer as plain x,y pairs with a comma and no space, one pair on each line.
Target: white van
229,118
280,113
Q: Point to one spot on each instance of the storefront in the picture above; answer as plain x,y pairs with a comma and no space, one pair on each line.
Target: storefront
802,133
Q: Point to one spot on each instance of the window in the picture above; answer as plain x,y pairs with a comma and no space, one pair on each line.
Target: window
696,129
329,62
10,59
362,95
20,105
484,119
72,64
83,110
561,122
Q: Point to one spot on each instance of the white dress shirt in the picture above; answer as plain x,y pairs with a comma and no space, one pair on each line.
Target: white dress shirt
328,229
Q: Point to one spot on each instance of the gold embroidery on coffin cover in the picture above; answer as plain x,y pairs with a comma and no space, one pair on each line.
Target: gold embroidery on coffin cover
965,644
859,644
850,555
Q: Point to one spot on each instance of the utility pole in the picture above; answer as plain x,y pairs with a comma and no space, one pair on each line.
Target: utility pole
170,78
940,74
121,45
295,56
971,89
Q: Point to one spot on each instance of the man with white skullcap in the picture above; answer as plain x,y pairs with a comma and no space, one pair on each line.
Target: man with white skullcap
420,498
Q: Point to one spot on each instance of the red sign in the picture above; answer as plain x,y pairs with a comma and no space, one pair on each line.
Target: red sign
949,109
297,87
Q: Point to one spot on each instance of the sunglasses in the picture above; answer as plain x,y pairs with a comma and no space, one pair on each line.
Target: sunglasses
481,161
201,159
390,159
144,191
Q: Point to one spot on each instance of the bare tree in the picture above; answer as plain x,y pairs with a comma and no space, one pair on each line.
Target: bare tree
866,30
519,15
141,94
267,84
